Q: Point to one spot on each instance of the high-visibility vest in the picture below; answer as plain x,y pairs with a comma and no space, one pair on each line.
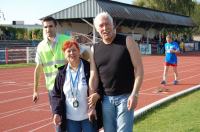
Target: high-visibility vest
51,59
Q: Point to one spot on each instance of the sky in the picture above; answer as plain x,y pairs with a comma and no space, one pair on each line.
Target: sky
30,11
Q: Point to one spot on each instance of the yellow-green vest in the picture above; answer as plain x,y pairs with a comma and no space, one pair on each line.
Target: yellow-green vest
51,59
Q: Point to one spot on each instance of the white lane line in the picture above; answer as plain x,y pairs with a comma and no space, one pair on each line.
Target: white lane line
171,82
11,91
2,84
26,125
50,123
8,82
170,74
25,108
160,94
19,98
8,115
37,109
158,70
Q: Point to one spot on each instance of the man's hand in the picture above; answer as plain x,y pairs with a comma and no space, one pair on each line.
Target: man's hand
35,97
132,102
56,119
92,100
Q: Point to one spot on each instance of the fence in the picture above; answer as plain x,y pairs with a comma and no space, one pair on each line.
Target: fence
27,54
17,55
148,49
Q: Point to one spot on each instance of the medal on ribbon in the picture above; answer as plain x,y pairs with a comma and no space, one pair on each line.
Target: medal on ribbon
74,87
75,103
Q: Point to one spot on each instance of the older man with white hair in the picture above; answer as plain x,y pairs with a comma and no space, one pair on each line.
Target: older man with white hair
116,64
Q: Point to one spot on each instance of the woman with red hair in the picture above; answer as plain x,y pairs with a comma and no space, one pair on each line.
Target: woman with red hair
70,92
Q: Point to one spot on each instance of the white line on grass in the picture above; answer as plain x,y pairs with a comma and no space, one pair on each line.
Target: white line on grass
139,112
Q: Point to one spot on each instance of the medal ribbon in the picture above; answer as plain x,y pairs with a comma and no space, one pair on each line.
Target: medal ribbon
75,81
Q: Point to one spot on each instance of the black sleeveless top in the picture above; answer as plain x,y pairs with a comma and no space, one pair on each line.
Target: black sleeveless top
114,66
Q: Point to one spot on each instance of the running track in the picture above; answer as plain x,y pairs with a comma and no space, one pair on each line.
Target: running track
19,114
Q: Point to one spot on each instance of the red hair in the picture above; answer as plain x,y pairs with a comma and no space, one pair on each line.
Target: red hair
69,44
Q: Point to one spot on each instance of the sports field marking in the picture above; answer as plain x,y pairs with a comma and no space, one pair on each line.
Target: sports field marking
29,124
14,91
153,68
25,108
7,82
170,74
159,69
159,94
21,111
50,123
46,92
171,82
19,98
22,84
5,101
37,109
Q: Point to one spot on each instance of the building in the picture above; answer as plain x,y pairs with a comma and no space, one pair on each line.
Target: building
129,19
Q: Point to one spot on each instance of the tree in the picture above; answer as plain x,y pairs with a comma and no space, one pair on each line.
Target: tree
196,18
183,7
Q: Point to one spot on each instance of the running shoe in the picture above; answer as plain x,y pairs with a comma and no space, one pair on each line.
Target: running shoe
163,82
175,82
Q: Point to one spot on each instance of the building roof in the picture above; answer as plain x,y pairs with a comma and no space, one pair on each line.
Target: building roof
130,14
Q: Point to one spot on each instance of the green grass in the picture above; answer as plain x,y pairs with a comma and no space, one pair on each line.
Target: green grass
16,65
179,115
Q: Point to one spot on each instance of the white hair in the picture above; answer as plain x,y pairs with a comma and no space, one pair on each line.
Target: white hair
100,15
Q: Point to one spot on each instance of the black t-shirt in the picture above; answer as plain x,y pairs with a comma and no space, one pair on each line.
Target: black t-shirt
114,66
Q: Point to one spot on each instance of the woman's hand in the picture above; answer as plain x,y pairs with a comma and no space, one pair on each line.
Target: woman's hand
56,119
92,114
92,100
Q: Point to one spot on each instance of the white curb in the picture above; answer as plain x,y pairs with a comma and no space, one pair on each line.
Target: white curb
141,111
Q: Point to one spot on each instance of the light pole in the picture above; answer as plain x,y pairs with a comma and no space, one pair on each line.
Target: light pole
2,15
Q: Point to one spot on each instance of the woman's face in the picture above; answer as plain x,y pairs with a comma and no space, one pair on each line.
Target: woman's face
72,54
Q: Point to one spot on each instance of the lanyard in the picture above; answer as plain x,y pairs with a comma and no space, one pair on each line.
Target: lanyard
75,81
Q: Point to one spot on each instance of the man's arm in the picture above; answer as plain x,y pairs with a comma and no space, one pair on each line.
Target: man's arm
93,81
37,73
93,85
136,60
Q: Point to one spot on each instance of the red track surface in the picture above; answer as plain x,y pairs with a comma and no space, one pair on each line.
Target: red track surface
19,114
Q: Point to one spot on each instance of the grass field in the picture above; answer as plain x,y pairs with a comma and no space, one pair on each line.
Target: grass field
180,115
16,65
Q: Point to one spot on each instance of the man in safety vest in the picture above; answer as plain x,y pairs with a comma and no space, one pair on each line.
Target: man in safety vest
48,56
